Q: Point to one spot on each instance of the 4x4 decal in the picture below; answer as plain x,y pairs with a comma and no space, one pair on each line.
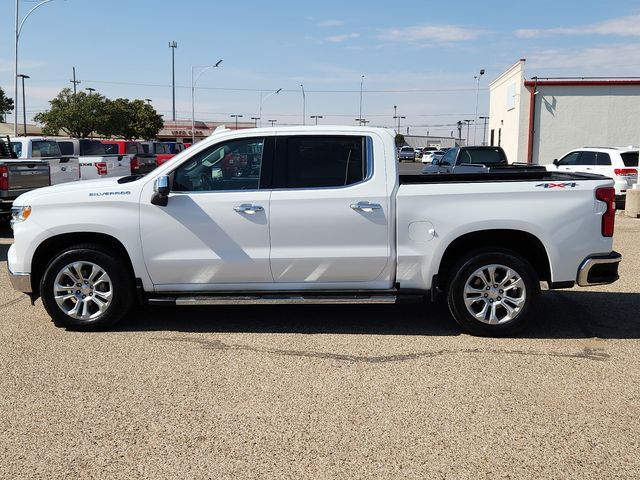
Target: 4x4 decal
558,185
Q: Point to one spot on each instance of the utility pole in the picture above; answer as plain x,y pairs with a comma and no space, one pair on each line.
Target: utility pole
304,105
459,125
173,45
484,130
395,115
24,104
74,81
468,123
475,118
361,81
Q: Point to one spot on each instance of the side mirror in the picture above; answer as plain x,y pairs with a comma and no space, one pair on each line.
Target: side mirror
161,191
556,162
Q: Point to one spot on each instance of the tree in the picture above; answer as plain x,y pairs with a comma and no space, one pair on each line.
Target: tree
131,119
6,104
78,115
400,139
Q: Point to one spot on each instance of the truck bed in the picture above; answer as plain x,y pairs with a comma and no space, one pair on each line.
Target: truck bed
499,175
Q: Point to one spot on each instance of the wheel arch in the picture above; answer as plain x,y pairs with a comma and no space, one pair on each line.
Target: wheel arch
50,247
522,243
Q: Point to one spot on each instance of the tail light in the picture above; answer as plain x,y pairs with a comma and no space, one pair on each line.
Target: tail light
608,196
101,167
4,177
135,164
625,171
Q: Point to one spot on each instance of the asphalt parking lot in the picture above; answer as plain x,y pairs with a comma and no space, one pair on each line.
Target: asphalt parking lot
326,392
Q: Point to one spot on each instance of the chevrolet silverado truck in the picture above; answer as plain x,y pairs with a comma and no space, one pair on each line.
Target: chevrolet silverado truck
316,215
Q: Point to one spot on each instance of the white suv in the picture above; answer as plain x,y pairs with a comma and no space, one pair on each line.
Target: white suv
619,163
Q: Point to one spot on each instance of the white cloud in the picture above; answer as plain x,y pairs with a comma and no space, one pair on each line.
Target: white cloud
608,60
434,33
623,26
341,38
329,23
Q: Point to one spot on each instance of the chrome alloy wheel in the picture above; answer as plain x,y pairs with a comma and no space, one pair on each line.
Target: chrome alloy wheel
83,290
494,294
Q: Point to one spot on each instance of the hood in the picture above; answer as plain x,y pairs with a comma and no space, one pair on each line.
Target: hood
41,195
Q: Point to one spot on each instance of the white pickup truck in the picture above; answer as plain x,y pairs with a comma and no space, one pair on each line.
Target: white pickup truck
310,215
95,162
62,169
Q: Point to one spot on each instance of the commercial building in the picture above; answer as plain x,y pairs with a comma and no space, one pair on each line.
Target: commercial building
536,120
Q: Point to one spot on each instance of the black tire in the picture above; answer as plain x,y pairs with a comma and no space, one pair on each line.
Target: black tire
512,303
120,285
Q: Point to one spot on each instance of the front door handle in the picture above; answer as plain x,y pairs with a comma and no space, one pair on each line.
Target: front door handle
248,208
366,206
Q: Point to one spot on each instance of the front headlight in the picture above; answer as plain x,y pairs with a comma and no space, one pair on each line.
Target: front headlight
20,214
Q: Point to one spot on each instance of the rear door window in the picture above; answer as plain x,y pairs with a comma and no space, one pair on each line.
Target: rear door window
111,148
630,159
588,158
66,147
322,161
91,147
45,148
603,159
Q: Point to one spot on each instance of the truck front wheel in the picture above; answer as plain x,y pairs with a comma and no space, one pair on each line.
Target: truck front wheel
87,288
491,293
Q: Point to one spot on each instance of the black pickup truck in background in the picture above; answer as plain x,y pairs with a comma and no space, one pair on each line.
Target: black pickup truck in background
469,160
18,177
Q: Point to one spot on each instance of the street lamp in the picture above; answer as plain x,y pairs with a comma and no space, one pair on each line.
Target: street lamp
236,116
255,121
304,105
398,117
263,99
19,25
468,122
272,122
484,129
148,100
24,104
475,121
203,68
90,90
362,121
173,45
316,117
361,81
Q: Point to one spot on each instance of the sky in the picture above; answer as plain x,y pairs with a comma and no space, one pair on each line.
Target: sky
420,56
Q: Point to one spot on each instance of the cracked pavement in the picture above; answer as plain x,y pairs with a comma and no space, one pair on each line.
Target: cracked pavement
326,391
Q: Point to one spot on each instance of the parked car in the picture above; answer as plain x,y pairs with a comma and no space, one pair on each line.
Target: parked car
329,220
467,159
18,176
175,147
161,151
618,163
406,153
94,160
430,156
141,162
62,169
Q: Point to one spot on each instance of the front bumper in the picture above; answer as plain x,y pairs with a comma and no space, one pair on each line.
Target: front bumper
599,269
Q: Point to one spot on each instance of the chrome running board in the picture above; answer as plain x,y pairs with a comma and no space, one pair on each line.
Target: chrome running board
274,300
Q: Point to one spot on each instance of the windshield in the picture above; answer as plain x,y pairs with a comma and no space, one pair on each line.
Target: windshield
45,148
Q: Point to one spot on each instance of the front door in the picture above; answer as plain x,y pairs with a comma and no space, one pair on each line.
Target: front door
329,214
214,231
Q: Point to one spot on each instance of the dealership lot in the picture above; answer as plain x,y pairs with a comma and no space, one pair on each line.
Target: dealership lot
326,392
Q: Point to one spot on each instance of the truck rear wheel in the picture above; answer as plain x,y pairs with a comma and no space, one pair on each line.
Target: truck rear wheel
491,293
87,288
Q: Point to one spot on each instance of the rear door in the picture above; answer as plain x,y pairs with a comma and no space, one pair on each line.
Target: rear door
330,214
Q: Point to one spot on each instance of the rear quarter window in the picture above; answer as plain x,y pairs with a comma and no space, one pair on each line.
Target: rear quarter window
66,147
630,159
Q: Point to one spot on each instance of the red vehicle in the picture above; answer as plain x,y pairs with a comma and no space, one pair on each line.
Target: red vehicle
141,162
159,149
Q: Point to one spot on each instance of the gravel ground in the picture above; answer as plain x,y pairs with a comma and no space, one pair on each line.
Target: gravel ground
326,392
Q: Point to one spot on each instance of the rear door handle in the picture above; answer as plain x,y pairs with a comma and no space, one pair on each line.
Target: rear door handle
366,206
248,208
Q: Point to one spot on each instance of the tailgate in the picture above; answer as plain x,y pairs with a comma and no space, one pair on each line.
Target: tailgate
27,175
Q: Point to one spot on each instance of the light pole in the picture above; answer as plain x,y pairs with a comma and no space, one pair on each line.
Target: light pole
173,45
361,81
468,122
193,86
395,115
255,121
459,125
484,130
148,100
272,122
90,90
475,121
19,25
362,121
236,116
316,117
398,117
304,105
263,99
24,104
